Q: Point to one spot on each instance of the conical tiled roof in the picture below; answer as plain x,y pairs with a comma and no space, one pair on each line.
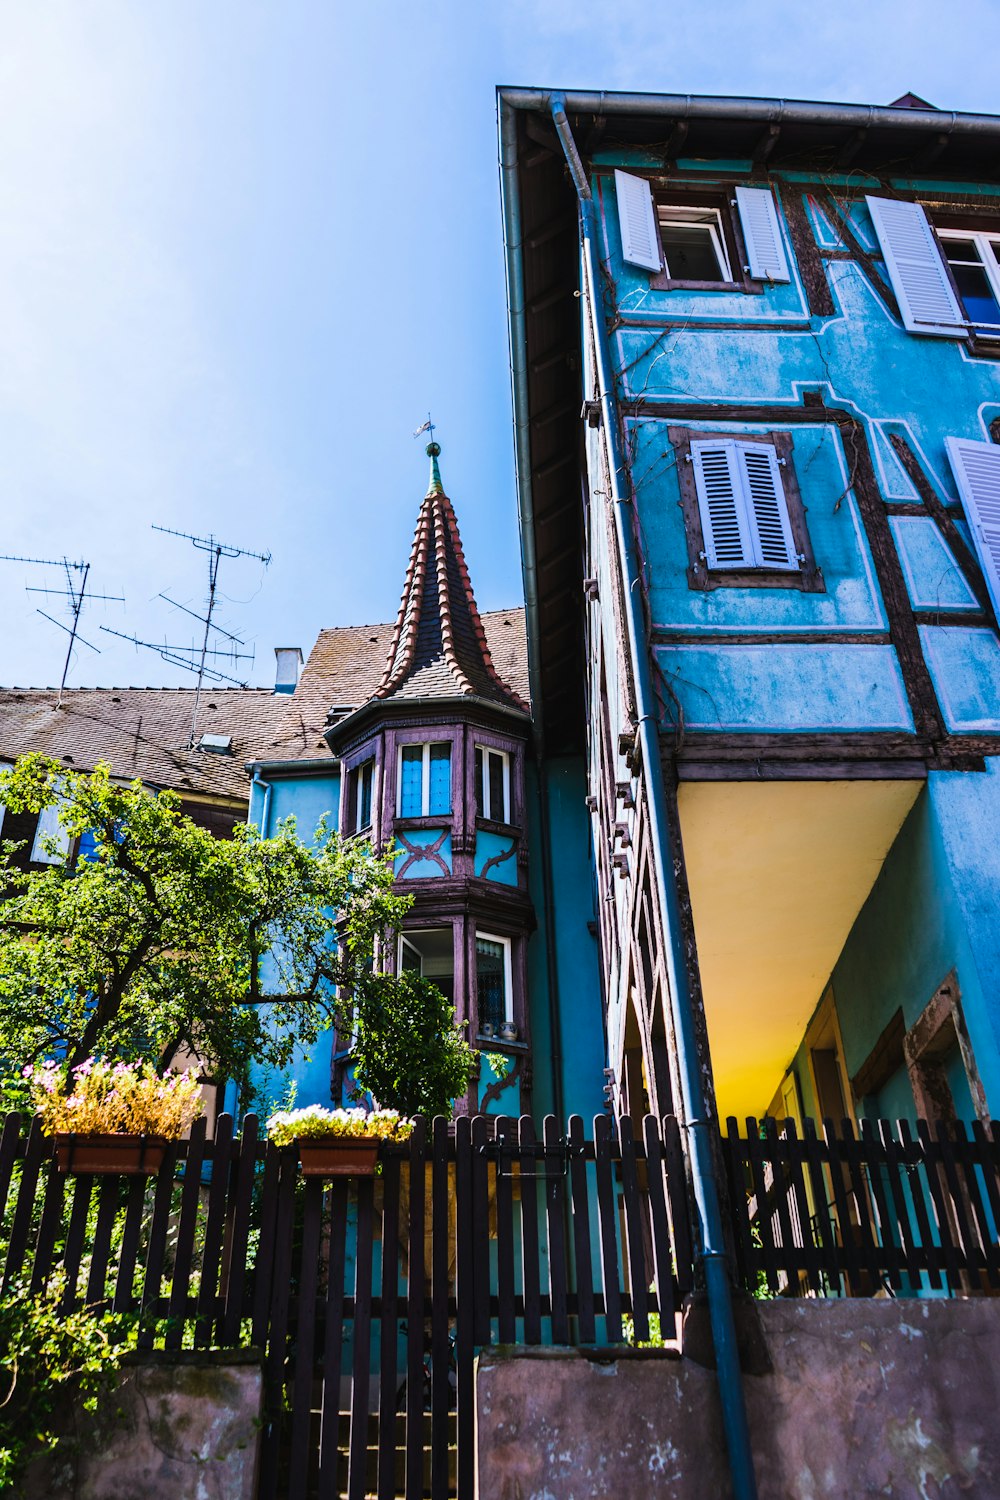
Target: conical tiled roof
438,647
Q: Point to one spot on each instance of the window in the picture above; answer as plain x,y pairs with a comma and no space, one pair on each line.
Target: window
430,953
359,796
726,240
693,245
493,784
424,781
976,273
743,513
494,989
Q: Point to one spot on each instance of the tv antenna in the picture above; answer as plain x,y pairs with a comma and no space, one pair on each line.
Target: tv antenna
196,659
74,591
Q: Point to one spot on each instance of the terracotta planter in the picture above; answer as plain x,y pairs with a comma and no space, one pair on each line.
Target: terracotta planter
123,1155
344,1156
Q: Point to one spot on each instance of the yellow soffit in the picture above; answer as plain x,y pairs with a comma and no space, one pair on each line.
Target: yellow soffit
778,871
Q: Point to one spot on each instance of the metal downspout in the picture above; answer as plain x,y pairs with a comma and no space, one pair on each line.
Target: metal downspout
265,812
704,1184
511,201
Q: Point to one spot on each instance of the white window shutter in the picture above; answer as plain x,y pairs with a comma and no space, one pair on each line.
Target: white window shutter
977,473
916,269
762,234
637,219
765,495
728,543
49,827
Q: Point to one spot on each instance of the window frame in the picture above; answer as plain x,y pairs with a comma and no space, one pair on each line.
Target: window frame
353,825
507,944
483,801
675,215
807,578
667,198
943,232
425,779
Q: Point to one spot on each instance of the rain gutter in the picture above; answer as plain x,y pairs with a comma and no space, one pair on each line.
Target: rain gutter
756,111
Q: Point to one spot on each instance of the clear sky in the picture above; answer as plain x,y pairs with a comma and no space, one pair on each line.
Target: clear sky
244,247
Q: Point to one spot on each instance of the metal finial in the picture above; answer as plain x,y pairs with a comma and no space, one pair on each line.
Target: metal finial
434,485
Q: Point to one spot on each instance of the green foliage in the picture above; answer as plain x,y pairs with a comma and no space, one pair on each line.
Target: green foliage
409,1052
500,1064
154,944
655,1340
48,1359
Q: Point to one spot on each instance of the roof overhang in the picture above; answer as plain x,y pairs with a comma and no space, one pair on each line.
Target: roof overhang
353,727
264,769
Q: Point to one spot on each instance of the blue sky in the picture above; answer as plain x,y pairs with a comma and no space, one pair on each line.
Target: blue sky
245,247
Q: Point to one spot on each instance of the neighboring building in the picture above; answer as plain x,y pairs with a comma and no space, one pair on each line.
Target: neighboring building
428,747
146,733
756,369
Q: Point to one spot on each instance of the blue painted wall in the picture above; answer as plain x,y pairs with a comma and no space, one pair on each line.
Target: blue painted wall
572,907
307,799
862,360
934,908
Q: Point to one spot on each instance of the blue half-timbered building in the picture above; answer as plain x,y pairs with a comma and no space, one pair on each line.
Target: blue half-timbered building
756,373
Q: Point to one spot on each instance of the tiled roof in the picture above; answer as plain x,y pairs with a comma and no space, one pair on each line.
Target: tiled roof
439,647
144,731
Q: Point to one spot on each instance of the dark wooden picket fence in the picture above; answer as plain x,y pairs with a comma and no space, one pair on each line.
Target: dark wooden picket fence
368,1297
892,1207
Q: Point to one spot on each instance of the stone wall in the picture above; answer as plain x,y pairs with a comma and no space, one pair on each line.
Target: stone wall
852,1398
177,1427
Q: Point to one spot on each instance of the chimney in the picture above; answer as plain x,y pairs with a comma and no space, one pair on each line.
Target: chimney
288,668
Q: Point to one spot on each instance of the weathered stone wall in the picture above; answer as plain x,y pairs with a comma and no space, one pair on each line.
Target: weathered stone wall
896,1399
181,1427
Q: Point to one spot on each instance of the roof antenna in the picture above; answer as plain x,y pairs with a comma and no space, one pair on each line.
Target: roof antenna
195,658
75,591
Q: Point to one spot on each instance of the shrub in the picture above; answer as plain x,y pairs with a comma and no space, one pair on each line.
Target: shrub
48,1359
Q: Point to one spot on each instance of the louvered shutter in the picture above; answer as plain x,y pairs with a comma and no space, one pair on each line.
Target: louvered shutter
637,219
762,234
765,496
50,827
977,472
916,269
719,483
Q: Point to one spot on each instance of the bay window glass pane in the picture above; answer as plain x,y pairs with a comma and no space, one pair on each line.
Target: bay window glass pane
490,982
440,780
411,781
365,794
497,809
479,782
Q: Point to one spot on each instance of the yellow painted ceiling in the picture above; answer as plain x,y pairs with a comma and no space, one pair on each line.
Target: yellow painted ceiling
778,872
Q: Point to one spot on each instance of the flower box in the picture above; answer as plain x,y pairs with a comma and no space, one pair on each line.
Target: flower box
338,1156
122,1155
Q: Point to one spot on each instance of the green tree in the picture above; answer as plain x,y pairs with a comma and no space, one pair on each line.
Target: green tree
409,1053
162,938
